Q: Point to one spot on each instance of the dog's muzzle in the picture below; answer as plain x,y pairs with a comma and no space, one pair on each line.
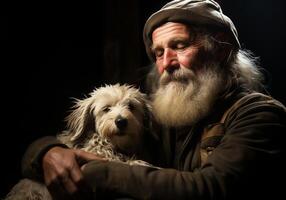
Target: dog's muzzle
121,122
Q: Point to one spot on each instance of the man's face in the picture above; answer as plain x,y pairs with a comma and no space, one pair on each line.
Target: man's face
173,47
189,81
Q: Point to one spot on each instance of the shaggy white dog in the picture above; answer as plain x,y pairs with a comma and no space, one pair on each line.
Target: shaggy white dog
113,122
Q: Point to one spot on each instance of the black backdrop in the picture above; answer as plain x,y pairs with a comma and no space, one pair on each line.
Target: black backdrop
52,52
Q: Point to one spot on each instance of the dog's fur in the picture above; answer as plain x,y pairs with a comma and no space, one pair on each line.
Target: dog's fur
112,122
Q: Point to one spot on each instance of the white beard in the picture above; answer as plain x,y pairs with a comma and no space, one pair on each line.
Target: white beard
183,98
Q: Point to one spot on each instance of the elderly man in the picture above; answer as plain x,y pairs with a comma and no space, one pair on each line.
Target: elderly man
221,139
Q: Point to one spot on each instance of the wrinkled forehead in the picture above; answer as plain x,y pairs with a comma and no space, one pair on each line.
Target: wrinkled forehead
170,30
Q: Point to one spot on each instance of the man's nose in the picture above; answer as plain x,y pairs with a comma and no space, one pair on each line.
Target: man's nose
170,60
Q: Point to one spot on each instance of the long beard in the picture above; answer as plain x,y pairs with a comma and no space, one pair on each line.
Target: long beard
183,98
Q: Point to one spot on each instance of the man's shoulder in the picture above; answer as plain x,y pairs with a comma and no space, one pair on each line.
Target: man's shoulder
256,103
259,99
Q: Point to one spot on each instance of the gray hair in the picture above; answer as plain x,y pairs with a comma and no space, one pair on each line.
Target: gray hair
245,70
241,67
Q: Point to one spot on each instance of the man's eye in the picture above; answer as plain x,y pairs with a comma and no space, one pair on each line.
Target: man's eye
158,53
181,45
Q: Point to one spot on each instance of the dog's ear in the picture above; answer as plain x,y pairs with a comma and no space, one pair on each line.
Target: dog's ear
81,120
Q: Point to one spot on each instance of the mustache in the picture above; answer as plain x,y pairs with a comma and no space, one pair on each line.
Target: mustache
181,75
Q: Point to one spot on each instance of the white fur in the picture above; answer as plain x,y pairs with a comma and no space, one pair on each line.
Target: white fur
91,127
92,124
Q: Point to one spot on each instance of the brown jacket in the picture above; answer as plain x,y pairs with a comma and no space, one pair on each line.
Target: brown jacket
235,153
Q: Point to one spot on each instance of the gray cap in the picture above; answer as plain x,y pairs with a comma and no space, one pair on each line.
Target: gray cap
199,12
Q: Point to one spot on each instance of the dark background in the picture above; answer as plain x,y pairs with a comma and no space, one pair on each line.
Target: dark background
51,52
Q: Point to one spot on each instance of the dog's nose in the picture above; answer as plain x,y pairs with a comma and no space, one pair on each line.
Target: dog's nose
121,122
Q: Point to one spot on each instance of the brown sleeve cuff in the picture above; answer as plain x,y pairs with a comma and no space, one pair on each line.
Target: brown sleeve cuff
32,159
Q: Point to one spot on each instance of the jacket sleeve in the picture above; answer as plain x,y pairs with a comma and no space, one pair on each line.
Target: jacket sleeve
246,160
32,159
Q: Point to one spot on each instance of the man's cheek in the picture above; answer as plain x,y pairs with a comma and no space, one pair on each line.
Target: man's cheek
160,69
186,62
188,57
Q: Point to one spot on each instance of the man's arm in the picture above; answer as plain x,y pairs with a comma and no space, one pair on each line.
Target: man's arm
248,161
32,159
52,162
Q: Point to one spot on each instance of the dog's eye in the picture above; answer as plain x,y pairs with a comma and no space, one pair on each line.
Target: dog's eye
131,106
106,109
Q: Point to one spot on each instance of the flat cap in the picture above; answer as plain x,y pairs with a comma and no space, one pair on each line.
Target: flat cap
198,12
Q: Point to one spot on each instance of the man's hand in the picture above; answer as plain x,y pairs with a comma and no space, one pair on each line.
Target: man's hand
62,172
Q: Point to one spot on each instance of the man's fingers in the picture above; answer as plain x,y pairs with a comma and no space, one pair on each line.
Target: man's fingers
83,157
62,172
59,192
69,185
56,187
84,190
76,175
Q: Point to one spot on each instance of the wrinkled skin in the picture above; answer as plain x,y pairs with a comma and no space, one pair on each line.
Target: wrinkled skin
63,172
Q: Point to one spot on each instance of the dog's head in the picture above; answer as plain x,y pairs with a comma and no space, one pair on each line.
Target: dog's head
116,112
